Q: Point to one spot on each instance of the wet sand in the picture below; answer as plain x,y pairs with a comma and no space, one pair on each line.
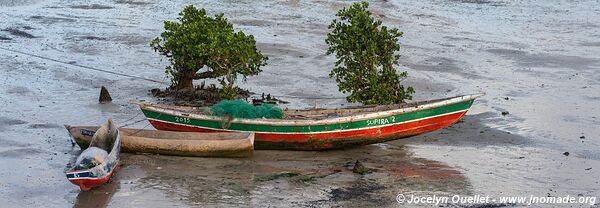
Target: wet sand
536,60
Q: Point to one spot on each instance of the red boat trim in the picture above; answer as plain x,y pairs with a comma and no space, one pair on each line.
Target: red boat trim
87,183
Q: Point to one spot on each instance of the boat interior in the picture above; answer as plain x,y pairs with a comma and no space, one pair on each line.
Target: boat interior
168,135
105,139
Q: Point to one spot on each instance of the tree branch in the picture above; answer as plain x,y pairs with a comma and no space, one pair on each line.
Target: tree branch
204,75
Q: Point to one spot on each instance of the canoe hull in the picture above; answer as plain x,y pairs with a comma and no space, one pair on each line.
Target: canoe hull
98,175
374,128
87,183
174,143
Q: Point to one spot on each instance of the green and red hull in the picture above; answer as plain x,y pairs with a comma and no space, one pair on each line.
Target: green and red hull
321,134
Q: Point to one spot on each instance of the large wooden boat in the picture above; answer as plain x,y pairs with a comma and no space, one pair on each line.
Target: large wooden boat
224,144
320,129
106,138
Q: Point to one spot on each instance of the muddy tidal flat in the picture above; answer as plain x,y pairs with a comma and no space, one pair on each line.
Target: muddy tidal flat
537,61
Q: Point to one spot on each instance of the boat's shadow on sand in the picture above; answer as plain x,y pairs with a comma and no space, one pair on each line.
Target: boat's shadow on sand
98,197
296,177
470,131
301,178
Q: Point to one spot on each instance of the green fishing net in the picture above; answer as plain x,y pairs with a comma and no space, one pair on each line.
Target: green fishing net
242,109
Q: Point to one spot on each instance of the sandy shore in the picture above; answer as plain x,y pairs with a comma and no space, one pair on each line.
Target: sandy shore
536,60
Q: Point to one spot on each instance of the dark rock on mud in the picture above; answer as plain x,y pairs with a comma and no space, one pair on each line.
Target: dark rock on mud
104,95
359,168
566,154
4,38
504,113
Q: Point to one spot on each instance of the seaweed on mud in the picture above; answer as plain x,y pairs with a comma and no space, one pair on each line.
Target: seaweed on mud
87,37
486,2
275,176
10,3
475,1
545,60
44,126
5,121
4,38
51,20
130,2
93,6
361,191
18,90
18,33
20,152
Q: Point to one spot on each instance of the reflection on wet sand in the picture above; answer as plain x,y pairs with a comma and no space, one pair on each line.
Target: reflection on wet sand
98,197
295,178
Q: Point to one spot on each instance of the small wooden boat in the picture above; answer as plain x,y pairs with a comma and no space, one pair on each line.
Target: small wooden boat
320,129
107,138
226,144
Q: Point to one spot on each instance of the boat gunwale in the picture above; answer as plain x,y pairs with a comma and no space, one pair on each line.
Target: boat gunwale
312,121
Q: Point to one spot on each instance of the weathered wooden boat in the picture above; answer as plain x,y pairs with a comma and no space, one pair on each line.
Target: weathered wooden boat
320,129
224,144
107,137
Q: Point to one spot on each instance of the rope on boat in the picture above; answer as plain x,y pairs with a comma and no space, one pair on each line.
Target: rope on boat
135,122
82,66
140,112
226,122
125,121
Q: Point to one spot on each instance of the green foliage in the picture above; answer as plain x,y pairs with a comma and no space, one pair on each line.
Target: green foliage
241,109
366,55
197,40
236,53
